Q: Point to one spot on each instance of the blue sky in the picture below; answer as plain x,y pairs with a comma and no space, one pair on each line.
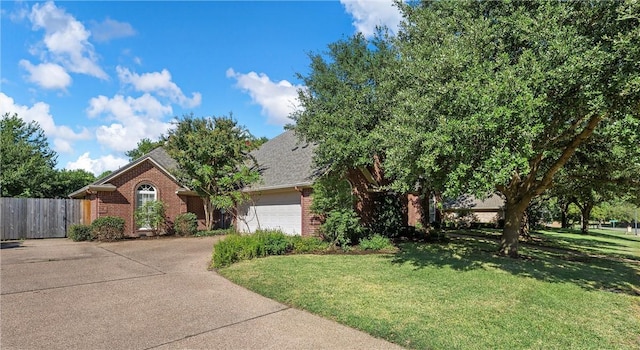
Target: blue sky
100,76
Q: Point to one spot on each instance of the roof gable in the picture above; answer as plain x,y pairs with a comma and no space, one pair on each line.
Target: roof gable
284,162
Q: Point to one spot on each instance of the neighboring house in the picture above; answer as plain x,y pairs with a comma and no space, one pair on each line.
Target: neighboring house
282,199
145,179
471,209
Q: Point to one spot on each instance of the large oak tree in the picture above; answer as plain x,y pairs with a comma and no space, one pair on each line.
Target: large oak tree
497,96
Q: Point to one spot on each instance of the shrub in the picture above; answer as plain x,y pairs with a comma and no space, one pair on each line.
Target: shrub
244,247
226,252
273,242
388,215
186,224
80,232
151,215
342,227
216,232
108,228
304,245
376,242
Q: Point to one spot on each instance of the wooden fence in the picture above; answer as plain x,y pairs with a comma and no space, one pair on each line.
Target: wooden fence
41,217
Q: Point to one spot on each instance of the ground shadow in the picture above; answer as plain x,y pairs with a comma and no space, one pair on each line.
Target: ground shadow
9,245
556,266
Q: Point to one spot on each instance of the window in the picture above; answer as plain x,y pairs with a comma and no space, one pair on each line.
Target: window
145,193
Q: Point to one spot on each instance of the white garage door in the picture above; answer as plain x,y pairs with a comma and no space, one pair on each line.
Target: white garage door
280,211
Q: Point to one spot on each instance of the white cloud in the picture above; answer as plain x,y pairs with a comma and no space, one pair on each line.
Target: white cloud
278,100
97,166
66,40
61,136
47,75
368,14
111,29
159,83
134,119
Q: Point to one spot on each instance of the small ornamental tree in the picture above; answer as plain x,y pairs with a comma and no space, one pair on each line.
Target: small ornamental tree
213,156
151,215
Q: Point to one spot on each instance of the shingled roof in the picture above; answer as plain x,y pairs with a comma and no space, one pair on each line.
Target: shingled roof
158,156
284,162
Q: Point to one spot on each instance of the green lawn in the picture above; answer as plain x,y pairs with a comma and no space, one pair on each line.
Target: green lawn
461,296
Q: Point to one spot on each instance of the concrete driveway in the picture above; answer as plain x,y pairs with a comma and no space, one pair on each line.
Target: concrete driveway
145,294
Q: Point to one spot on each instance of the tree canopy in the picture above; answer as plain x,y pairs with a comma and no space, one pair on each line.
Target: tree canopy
214,160
497,96
143,147
27,162
477,97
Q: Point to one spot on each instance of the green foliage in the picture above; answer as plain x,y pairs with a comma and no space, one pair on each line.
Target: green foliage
236,247
108,228
104,174
143,147
186,224
27,161
216,232
388,215
376,242
213,160
68,181
342,227
342,102
305,245
151,215
80,232
331,192
498,95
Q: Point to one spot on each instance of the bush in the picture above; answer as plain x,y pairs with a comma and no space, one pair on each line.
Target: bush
186,224
305,245
151,215
244,247
388,215
216,232
273,242
376,242
342,227
80,232
108,228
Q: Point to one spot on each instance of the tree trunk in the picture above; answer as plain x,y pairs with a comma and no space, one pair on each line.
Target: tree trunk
208,213
564,209
585,212
512,222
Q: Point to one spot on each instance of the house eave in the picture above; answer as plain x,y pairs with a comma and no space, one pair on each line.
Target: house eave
278,187
92,189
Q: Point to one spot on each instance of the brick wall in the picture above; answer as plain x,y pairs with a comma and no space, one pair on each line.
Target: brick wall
122,202
310,221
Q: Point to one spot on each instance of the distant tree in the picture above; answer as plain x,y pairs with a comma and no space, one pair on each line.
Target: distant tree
605,168
498,96
260,141
67,181
144,146
104,174
27,162
214,160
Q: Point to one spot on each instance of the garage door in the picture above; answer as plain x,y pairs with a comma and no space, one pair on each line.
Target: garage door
280,211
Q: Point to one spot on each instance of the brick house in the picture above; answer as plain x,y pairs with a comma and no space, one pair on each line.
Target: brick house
282,199
146,178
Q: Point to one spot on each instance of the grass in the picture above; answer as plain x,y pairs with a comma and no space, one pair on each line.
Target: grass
461,296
